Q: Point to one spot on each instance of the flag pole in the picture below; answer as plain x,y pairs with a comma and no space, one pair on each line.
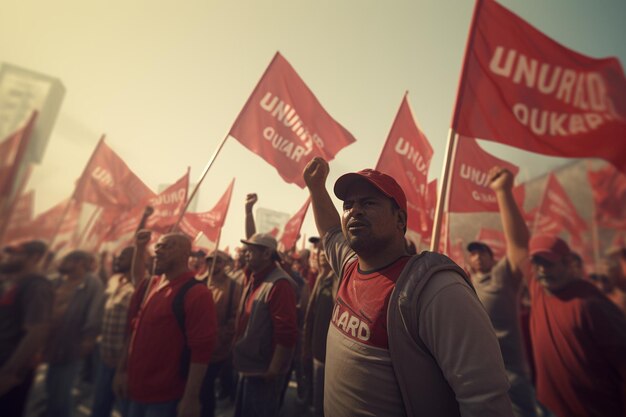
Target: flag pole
217,245
69,203
452,135
202,177
443,198
595,238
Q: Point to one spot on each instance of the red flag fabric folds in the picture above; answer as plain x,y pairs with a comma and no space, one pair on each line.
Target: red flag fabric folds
523,89
107,181
12,151
608,187
168,205
291,231
494,239
557,212
469,187
406,157
210,222
285,124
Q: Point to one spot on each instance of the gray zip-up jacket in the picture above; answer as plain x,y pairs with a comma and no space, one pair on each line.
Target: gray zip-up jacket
444,352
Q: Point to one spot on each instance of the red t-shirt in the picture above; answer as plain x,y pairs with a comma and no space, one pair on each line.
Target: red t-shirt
579,343
360,311
157,343
282,305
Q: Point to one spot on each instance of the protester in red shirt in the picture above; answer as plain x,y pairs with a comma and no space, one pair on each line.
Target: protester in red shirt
153,370
578,337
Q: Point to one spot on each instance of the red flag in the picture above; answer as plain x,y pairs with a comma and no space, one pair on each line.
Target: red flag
557,211
45,224
494,239
211,222
469,187
21,216
523,89
168,205
608,187
457,252
12,150
107,181
274,232
283,123
406,157
291,231
427,212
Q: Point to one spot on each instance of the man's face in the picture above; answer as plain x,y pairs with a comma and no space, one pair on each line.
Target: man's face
69,265
13,263
167,254
219,265
481,260
122,263
369,220
257,257
553,276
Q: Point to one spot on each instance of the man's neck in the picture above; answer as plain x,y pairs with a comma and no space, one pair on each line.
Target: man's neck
377,260
176,272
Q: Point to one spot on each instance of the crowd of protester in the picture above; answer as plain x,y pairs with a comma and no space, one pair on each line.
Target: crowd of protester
361,323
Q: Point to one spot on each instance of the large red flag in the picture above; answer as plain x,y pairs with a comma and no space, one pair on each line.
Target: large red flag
283,123
406,157
556,209
210,222
494,239
168,205
608,187
521,88
107,181
469,187
45,224
12,150
291,231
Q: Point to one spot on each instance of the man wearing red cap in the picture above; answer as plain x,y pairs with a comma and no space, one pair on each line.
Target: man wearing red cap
408,336
578,335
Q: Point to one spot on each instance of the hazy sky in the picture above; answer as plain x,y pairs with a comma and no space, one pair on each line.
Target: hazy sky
165,80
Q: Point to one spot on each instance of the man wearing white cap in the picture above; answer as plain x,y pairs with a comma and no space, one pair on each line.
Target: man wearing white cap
266,330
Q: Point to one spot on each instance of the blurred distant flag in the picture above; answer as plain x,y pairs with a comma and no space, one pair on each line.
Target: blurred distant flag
494,239
523,89
608,187
107,181
469,186
291,231
12,153
406,157
209,223
557,212
285,124
168,205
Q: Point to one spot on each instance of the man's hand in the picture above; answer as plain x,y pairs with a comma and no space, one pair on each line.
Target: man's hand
120,384
251,200
143,238
500,179
189,407
316,172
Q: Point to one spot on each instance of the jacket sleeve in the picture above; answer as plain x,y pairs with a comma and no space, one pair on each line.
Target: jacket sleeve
337,250
456,329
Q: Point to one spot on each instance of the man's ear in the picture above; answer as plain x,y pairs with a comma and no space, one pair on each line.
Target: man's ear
402,220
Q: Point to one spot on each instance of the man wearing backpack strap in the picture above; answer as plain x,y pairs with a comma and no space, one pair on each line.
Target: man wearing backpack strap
156,381
408,336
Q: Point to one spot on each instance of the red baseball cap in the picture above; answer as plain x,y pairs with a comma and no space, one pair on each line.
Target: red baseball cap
548,247
383,182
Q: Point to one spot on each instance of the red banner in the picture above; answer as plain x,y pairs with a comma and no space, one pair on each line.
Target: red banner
12,150
608,187
469,187
210,222
284,123
21,216
45,224
556,211
107,181
406,157
291,231
523,89
495,240
168,205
